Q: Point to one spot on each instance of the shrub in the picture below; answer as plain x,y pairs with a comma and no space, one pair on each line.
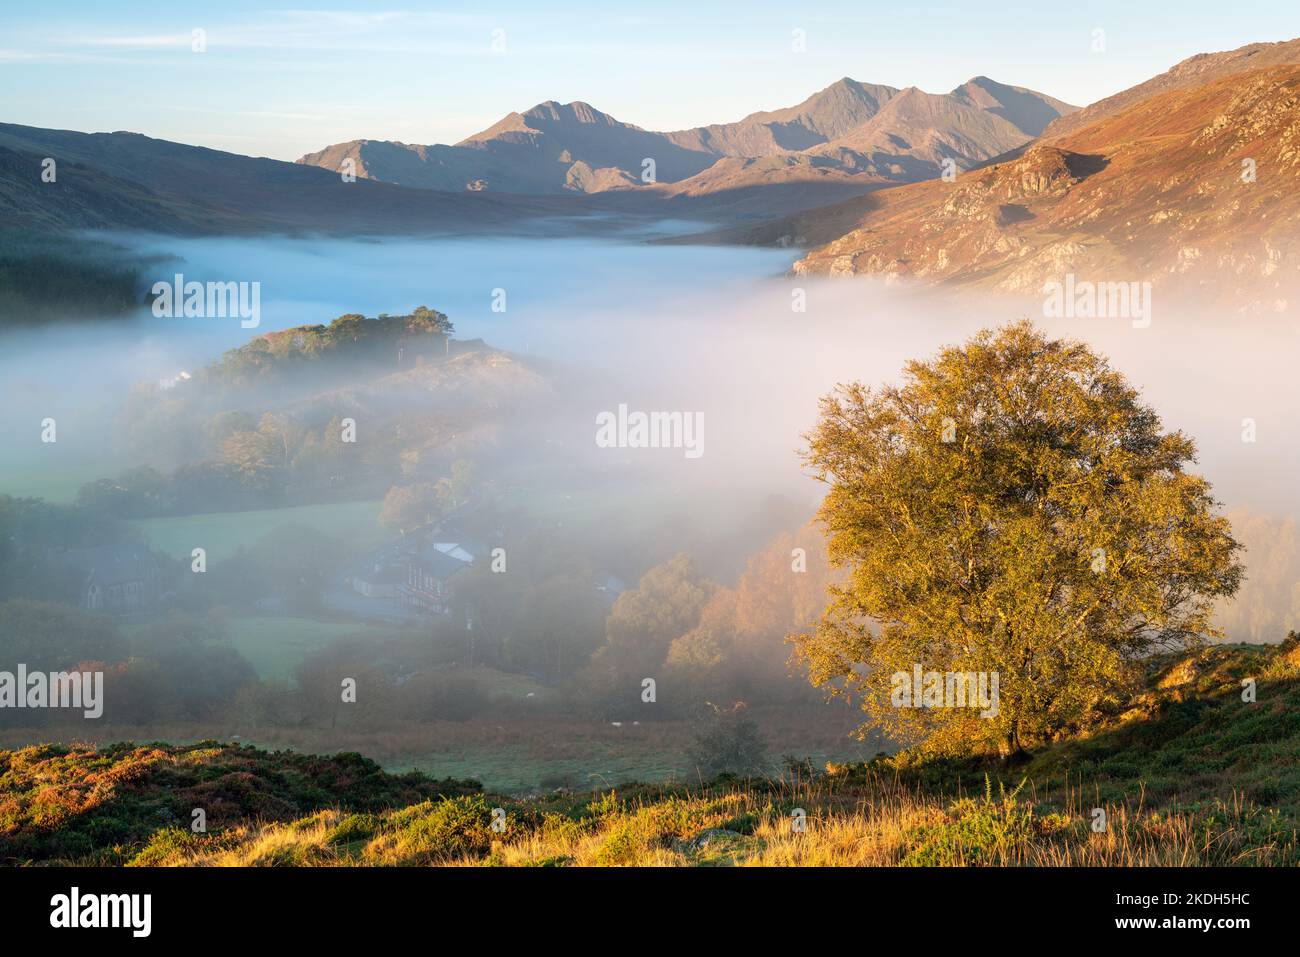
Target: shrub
622,846
170,846
728,742
432,832
354,827
972,832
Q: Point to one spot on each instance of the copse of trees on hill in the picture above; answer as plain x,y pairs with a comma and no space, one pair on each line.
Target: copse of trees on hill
283,437
1011,509
422,334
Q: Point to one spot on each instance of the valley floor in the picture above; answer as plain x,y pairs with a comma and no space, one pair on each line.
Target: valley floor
515,755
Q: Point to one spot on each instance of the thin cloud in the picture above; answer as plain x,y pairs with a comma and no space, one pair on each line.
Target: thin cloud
138,42
43,56
332,30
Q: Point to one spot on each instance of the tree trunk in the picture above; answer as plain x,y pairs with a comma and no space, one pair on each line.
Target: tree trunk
1012,751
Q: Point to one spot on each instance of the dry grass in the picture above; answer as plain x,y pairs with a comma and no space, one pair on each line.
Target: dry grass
851,820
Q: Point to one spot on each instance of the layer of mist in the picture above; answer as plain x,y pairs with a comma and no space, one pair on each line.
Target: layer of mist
705,329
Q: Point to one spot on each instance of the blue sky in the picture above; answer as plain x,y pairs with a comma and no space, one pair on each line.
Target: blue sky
280,82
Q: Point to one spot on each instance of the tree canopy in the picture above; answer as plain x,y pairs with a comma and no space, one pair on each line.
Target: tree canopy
397,340
407,507
1011,508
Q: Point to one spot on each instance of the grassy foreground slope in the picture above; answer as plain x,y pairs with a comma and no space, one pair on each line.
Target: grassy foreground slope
1191,774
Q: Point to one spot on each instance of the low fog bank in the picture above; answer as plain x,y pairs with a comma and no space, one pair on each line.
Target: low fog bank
694,329
760,368
718,334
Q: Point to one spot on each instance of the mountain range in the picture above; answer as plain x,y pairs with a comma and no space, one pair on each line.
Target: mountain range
554,159
849,133
1192,177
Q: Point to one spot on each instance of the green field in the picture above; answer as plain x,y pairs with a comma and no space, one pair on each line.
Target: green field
222,533
276,646
59,484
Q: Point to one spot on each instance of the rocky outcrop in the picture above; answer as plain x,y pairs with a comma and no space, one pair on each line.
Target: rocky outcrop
1198,187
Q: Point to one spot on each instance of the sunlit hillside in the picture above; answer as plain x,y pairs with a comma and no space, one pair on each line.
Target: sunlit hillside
1189,774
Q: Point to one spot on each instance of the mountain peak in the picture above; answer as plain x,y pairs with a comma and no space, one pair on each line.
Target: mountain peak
553,112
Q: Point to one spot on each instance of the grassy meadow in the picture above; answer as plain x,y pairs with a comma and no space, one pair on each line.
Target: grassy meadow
222,534
54,485
276,645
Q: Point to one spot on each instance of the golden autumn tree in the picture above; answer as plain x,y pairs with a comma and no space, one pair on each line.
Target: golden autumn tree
1010,509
